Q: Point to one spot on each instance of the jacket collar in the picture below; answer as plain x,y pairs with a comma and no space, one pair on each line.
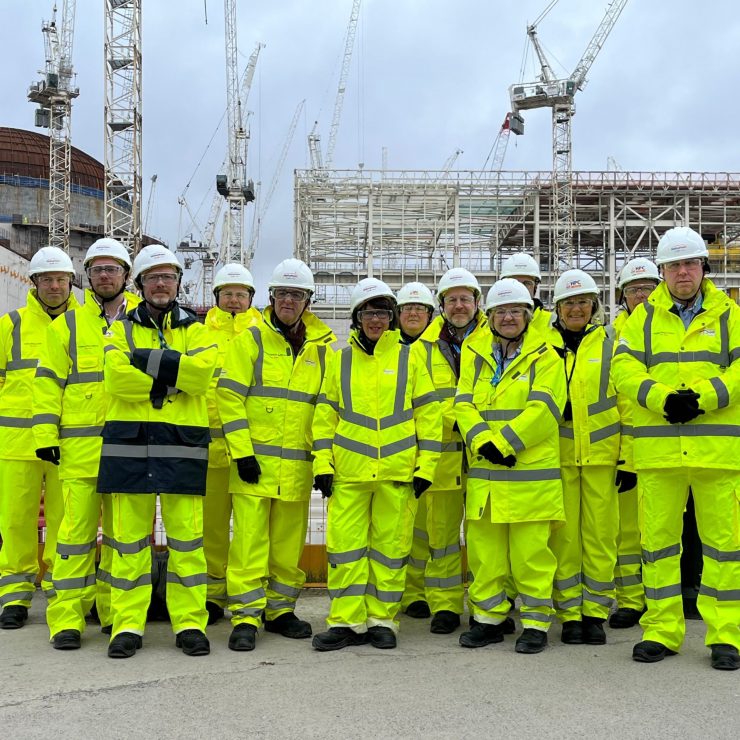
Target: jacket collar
176,317
316,329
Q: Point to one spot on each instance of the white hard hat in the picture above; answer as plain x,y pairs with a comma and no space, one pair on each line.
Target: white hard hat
366,290
680,243
50,259
155,255
506,291
107,247
233,274
415,293
638,268
572,283
520,263
457,277
292,273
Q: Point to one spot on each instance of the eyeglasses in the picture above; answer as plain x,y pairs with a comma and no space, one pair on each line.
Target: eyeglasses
682,265
167,278
577,303
46,280
111,270
515,313
527,283
631,290
370,314
466,300
240,295
413,308
284,294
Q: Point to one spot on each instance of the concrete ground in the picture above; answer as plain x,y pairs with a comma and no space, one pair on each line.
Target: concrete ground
427,687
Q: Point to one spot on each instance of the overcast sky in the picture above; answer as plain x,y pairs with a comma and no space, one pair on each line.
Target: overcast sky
427,77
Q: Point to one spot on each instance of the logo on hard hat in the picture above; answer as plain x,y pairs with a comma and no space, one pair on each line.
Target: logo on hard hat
638,269
576,283
678,247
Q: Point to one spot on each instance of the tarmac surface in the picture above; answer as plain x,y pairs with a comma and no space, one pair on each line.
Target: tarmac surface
427,687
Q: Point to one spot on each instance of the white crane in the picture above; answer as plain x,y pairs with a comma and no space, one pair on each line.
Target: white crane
54,94
559,94
122,135
319,162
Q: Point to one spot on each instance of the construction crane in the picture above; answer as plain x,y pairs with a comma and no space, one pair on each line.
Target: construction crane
234,186
54,94
513,124
319,162
558,94
265,204
150,199
123,122
447,166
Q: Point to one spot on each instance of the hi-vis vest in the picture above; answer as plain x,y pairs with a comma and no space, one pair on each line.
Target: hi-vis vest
624,404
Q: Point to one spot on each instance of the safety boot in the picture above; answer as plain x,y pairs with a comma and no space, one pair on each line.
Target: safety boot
650,651
193,642
124,645
67,640
418,610
593,631
383,638
444,623
572,633
336,638
624,618
243,637
215,612
13,617
725,657
531,641
288,625
481,635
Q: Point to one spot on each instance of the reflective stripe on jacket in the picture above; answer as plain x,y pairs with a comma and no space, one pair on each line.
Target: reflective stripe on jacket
266,399
378,418
520,417
69,401
656,356
442,371
224,326
22,337
148,449
624,404
592,438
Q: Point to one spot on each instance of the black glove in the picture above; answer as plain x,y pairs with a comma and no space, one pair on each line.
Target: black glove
625,481
323,483
681,407
568,411
249,469
420,485
158,393
48,454
495,456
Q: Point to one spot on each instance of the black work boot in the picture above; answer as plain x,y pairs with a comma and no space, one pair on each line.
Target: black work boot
624,618
124,645
481,635
531,641
444,623
650,651
572,633
382,637
725,657
418,610
193,642
243,637
593,631
336,638
13,617
215,612
66,640
288,625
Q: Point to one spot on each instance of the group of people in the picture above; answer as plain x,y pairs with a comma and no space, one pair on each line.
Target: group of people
563,447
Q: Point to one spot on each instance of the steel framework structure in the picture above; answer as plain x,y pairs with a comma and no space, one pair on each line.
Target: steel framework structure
123,122
414,225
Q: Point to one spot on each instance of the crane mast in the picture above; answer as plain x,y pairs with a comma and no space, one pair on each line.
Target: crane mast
54,94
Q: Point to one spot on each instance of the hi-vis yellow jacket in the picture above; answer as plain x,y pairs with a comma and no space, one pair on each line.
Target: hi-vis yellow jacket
378,418
624,404
520,417
69,402
224,327
155,437
22,337
656,356
266,400
449,475
541,320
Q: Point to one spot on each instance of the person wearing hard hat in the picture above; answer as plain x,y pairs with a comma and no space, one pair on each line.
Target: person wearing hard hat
69,405
586,545
377,439
523,268
514,494
159,361
679,357
233,288
266,396
415,308
22,473
439,349
637,280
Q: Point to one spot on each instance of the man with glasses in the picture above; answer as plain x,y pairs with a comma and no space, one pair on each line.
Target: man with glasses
159,361
69,405
266,398
22,473
523,268
679,356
